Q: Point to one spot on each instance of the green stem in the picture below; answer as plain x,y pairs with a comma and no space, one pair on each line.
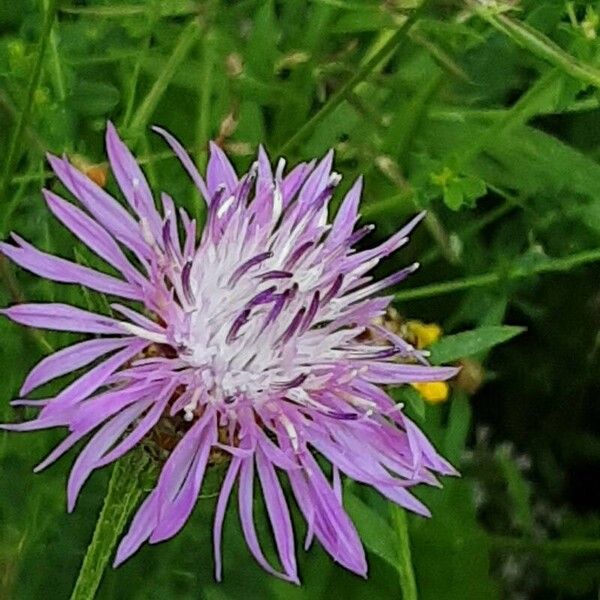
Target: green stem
338,97
405,568
541,46
57,72
188,37
16,145
124,492
206,89
140,57
552,265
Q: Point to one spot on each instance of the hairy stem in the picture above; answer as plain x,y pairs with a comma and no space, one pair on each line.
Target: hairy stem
552,265
124,492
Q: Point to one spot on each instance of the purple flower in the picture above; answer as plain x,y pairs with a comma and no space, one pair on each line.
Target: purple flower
252,344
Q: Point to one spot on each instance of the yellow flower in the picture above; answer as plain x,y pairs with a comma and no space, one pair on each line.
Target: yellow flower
424,334
433,391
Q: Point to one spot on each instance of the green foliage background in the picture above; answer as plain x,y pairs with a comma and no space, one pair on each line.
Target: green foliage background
487,117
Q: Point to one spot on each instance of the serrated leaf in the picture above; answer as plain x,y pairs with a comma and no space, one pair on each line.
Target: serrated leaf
467,343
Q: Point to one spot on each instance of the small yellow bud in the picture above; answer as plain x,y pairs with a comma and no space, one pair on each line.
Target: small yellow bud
433,391
424,334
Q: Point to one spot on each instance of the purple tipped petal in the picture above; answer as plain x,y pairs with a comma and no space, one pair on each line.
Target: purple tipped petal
346,216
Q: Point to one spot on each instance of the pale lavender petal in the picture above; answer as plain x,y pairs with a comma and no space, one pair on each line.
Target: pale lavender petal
88,383
65,271
173,516
70,359
101,205
61,317
219,172
186,161
346,216
278,513
246,503
225,493
87,460
390,373
132,181
140,529
93,235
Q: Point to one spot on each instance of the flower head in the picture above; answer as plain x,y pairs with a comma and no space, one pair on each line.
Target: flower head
251,344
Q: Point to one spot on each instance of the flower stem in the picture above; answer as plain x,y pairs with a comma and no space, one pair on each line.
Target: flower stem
551,265
405,568
124,492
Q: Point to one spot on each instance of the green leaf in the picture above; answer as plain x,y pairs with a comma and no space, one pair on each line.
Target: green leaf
374,530
467,343
94,98
459,424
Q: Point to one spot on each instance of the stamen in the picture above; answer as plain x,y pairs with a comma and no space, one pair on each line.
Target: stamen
275,275
241,320
186,281
333,290
264,297
293,326
296,254
312,311
299,380
244,267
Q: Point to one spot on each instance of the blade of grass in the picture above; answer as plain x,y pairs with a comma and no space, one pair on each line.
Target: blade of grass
541,46
393,44
118,12
184,44
58,77
205,82
140,57
16,145
553,265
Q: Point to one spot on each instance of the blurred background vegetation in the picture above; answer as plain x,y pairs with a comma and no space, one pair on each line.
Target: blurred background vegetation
486,114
